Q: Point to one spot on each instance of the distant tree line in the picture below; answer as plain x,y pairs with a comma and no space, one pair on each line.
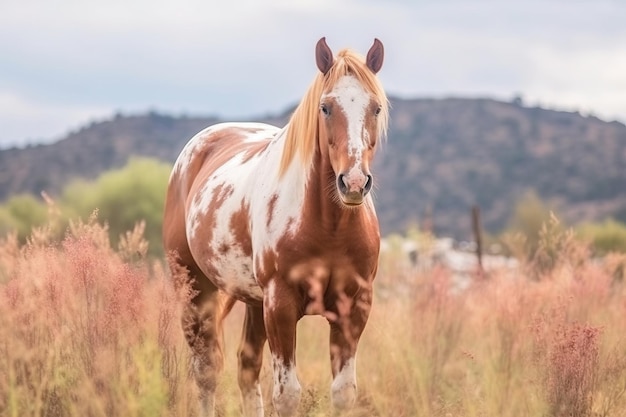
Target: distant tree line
123,197
136,192
532,217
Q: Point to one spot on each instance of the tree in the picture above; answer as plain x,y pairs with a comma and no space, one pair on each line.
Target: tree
124,197
530,218
20,214
529,215
608,236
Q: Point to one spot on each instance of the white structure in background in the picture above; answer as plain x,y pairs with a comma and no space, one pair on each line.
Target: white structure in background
460,258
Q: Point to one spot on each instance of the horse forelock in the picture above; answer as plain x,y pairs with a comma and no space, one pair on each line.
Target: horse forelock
302,130
349,62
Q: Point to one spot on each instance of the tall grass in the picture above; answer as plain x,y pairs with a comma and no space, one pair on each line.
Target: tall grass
88,330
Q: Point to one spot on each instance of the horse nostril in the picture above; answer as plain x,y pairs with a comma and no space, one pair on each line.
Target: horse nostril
368,184
341,184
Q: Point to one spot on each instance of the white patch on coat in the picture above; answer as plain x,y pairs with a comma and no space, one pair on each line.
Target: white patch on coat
259,135
270,296
286,390
343,388
186,154
189,150
289,194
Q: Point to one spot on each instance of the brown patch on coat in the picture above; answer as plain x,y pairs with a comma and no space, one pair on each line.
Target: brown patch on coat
223,248
253,149
265,266
239,225
270,209
221,146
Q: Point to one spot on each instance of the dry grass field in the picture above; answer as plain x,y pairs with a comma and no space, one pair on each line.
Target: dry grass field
88,330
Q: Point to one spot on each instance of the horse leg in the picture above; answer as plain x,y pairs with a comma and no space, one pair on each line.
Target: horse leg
281,314
250,361
345,332
199,323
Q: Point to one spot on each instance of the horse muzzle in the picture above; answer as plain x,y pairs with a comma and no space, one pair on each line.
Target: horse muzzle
353,187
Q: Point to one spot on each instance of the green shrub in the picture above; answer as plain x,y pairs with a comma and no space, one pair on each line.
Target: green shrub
123,198
605,237
20,214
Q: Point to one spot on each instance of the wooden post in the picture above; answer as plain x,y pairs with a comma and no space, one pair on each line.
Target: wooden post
427,224
476,227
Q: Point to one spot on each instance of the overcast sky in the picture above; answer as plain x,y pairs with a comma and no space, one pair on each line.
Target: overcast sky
64,63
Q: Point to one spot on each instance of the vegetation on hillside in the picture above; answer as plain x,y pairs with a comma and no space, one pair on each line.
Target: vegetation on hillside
136,193
606,237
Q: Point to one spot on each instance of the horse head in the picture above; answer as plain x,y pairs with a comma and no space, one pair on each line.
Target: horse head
353,113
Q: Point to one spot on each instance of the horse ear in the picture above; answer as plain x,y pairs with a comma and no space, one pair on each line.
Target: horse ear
323,56
375,56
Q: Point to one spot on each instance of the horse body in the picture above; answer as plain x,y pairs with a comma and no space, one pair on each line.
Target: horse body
281,219
219,199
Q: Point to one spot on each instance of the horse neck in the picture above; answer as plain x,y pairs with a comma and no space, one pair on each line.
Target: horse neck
311,189
325,210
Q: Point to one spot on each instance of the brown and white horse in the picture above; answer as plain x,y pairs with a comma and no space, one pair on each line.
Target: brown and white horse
282,220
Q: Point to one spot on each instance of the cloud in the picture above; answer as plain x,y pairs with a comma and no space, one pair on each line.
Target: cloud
244,57
590,78
46,122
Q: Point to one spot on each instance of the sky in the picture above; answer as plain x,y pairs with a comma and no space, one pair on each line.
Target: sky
66,63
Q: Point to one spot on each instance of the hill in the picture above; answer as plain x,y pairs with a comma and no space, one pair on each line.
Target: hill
442,157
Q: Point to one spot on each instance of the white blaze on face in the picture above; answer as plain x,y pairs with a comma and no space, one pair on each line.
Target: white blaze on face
353,100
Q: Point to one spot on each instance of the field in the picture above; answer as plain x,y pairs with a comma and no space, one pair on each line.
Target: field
88,330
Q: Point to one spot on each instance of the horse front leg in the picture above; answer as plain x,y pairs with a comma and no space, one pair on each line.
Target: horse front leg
282,310
346,327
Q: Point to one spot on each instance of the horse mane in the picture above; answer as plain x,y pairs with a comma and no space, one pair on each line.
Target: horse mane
302,130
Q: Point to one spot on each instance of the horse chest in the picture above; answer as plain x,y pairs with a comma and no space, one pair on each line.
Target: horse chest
304,257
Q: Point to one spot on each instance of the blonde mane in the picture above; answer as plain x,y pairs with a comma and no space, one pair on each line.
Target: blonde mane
302,130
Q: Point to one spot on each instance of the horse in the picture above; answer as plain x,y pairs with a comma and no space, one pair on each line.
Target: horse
282,220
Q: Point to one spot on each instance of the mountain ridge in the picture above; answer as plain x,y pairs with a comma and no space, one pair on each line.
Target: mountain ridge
443,155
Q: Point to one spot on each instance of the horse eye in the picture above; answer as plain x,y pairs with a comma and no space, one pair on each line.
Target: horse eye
378,110
325,110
